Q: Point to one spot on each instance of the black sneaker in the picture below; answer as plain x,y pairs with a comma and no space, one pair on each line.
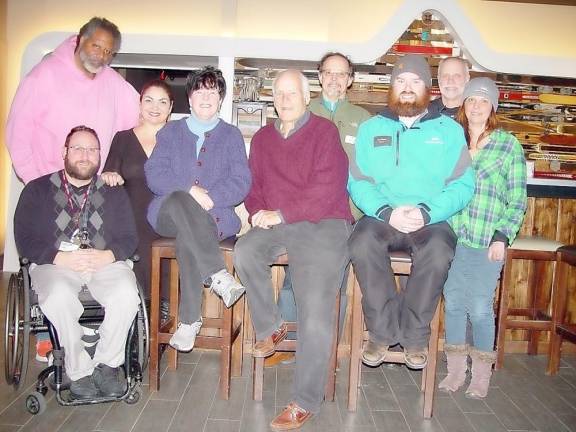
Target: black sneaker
110,381
84,388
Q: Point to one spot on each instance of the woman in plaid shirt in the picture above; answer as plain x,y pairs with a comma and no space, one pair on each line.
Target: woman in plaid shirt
484,228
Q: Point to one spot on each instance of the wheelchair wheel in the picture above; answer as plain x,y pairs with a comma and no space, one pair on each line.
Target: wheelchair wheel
137,348
36,403
144,333
133,398
17,328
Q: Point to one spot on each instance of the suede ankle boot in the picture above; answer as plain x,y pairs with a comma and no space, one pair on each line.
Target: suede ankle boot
482,362
457,358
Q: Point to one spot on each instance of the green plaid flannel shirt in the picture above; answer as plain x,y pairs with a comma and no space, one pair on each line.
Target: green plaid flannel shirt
499,201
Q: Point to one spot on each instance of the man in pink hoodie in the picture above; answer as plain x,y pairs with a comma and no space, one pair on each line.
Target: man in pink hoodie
73,85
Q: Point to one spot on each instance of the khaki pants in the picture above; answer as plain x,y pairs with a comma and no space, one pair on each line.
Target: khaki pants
113,286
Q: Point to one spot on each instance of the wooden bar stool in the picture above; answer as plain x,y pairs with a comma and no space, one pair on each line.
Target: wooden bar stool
401,265
290,345
225,332
562,329
536,316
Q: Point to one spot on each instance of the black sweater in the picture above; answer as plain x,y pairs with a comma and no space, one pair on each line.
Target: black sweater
42,221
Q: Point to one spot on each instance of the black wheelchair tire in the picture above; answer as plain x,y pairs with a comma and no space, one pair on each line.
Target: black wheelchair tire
17,328
36,403
133,398
143,328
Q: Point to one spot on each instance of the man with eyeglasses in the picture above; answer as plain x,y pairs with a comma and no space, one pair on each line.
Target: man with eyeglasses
336,74
78,233
73,85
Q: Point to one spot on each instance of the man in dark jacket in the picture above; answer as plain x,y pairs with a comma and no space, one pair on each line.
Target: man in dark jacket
78,233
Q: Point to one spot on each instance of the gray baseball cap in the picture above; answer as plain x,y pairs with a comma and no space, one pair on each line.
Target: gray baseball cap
483,87
412,63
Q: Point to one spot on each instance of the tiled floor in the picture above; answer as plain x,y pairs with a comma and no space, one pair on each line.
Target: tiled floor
522,398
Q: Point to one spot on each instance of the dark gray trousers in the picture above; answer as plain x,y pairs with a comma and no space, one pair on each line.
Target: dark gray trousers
318,256
197,248
400,317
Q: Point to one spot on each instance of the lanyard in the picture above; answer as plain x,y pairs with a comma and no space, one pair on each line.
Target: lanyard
74,208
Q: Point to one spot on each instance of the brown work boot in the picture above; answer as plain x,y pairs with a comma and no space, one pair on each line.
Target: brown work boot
279,358
292,417
374,354
267,347
416,358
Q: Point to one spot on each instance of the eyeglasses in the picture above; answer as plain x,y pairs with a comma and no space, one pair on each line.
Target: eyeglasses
330,74
90,150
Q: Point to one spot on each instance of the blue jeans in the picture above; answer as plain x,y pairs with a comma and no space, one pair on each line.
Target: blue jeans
469,292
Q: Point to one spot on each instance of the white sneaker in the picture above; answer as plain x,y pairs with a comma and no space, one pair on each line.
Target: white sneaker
224,284
185,336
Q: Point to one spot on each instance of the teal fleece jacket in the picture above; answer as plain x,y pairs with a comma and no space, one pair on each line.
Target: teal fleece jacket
426,165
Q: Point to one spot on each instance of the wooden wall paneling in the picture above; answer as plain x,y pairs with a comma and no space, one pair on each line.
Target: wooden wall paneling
528,225
567,234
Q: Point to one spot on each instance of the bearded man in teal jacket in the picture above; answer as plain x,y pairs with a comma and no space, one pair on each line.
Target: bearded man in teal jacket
411,172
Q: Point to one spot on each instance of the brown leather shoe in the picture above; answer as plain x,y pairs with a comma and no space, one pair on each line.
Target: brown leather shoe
267,347
292,417
279,358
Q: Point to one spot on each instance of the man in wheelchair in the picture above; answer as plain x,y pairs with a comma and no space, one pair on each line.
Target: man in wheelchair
78,233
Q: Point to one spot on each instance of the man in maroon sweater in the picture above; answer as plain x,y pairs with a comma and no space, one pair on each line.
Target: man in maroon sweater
298,204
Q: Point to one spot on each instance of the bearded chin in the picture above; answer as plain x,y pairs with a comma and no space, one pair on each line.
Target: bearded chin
80,175
87,65
91,68
409,109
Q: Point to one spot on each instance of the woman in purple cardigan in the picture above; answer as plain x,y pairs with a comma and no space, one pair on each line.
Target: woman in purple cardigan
198,172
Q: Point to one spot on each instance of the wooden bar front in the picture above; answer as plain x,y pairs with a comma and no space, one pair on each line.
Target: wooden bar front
551,214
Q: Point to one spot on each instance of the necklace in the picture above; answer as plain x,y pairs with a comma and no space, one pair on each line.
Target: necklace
76,209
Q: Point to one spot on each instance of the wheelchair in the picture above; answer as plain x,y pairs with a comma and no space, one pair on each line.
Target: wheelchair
23,316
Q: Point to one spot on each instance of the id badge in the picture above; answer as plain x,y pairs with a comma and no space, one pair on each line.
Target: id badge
80,238
68,246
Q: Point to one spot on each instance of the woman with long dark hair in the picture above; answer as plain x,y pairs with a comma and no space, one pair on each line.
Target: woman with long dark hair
129,151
